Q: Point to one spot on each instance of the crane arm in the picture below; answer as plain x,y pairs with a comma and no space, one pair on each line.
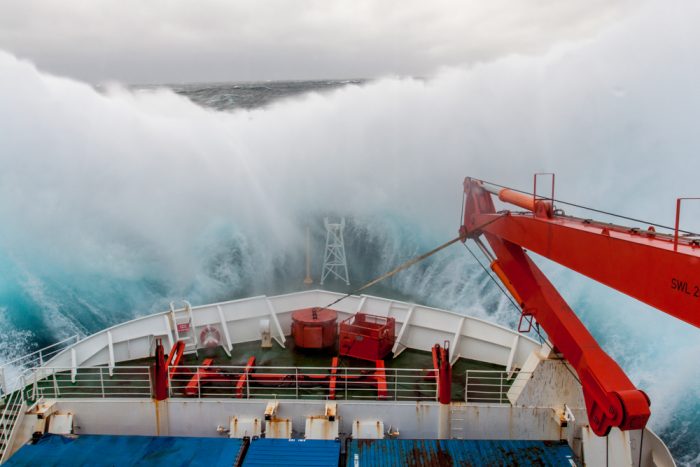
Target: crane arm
657,269
648,266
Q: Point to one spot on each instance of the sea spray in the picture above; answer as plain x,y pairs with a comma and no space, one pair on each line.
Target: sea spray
115,202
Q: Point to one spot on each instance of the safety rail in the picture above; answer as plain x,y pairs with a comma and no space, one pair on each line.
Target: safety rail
10,413
341,383
490,386
9,371
245,382
122,381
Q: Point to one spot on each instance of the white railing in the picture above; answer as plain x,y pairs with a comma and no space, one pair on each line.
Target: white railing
11,370
9,415
304,383
122,381
489,386
398,384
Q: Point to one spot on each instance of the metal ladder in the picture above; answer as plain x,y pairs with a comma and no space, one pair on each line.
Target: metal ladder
458,419
183,327
10,413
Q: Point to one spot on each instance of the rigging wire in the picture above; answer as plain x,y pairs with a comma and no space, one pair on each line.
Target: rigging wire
543,340
600,211
407,264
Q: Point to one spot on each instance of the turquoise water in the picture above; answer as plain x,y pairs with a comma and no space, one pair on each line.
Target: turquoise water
116,201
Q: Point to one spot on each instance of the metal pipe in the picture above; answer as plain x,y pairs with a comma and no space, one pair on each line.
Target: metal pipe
540,207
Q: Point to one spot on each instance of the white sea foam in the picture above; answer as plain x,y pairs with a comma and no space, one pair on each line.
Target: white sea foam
148,187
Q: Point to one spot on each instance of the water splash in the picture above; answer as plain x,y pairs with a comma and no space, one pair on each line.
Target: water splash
115,202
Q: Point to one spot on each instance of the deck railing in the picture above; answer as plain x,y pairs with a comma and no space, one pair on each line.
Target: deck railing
10,371
122,381
341,383
490,386
266,382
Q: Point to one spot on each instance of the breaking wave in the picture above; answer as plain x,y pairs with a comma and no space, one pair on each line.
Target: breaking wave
115,202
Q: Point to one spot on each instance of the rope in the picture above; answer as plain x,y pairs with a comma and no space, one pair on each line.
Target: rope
400,268
408,264
600,211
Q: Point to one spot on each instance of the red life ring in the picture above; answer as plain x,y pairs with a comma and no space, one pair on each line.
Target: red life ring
209,337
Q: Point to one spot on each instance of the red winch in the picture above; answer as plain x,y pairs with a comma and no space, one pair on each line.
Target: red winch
314,328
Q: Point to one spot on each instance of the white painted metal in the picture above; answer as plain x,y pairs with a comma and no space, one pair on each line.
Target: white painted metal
61,423
10,418
368,429
184,326
273,314
74,365
420,328
110,347
511,355
168,333
245,427
334,260
398,345
228,345
454,343
278,428
414,420
321,428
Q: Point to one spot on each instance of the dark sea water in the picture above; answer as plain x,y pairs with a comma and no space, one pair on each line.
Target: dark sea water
250,95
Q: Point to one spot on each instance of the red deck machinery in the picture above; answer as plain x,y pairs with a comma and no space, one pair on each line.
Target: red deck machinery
314,328
643,264
367,337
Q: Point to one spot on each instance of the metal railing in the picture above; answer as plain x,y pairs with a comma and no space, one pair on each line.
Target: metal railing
9,414
490,386
304,383
122,381
341,383
11,370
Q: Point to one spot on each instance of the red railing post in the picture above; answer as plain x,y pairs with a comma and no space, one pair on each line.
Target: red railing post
161,373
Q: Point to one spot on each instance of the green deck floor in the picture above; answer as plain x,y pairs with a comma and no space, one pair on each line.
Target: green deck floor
128,382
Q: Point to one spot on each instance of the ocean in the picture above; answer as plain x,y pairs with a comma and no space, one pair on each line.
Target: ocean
116,200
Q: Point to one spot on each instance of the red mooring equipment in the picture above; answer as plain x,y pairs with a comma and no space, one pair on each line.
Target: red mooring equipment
656,269
441,364
367,337
314,328
161,373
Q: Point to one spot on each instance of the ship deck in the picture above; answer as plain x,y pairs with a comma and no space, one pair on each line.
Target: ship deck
279,373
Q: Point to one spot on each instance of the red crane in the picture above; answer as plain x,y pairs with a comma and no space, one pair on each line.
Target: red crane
660,270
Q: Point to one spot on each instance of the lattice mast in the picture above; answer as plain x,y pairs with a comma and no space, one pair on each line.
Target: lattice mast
334,260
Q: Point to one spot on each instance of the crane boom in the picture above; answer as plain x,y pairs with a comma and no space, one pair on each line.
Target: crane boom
656,269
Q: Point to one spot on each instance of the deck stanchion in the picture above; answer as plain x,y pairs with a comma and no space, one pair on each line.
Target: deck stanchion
466,386
396,384
102,383
500,388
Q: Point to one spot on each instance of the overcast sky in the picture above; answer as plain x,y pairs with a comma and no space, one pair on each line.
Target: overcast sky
171,41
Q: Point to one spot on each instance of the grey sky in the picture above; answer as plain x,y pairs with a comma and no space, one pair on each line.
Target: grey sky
156,41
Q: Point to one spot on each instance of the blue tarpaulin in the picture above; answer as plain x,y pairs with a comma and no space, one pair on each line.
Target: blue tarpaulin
106,450
430,452
292,452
